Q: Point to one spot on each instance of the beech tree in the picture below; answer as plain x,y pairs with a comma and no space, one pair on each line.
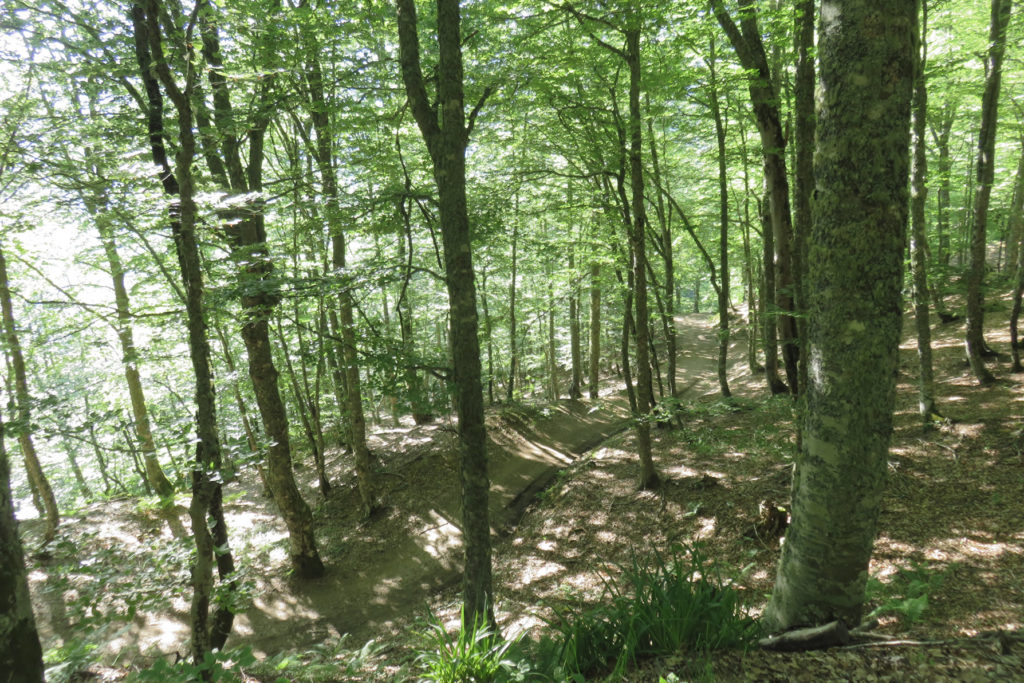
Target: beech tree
446,132
855,274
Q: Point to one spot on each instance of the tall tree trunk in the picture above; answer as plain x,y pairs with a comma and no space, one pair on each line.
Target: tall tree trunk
550,353
21,656
854,280
803,171
648,474
595,328
447,147
246,232
576,385
918,249
130,360
513,353
723,230
769,311
764,96
975,340
668,313
209,529
37,478
1015,220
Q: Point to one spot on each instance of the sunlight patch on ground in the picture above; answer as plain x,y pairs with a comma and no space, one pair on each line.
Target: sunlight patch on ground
441,537
535,569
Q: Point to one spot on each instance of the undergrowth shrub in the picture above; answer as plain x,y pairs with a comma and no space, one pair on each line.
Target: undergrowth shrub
473,655
659,607
907,594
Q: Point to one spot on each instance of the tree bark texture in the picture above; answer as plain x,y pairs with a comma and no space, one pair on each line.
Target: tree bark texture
975,340
446,132
855,259
21,657
803,171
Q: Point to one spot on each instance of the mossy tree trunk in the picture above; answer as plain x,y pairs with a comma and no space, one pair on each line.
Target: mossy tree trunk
855,259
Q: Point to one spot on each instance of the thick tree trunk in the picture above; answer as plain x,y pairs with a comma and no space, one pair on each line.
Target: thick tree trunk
21,657
769,311
40,484
918,248
447,147
975,340
855,275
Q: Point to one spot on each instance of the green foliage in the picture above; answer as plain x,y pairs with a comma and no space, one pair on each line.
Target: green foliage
474,655
331,660
908,594
678,602
215,667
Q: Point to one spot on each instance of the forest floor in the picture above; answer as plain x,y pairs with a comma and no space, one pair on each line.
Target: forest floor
949,560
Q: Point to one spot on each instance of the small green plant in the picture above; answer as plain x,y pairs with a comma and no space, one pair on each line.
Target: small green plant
216,667
679,602
331,660
908,593
474,655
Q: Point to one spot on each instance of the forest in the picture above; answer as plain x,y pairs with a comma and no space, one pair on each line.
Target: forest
489,341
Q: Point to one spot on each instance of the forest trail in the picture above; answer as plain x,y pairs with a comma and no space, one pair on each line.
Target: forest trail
389,567
382,571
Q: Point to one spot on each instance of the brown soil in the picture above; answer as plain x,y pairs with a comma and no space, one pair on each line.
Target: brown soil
952,508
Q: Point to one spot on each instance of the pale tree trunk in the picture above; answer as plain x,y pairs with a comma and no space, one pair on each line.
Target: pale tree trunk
855,259
130,360
723,230
21,657
918,248
668,313
447,147
1015,221
40,484
552,359
975,340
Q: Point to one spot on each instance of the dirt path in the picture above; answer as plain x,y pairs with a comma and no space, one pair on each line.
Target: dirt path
384,569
